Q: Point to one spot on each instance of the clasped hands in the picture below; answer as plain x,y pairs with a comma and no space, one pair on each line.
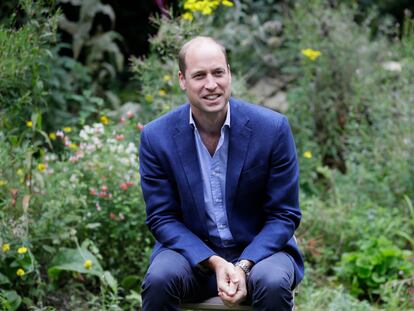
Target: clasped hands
231,281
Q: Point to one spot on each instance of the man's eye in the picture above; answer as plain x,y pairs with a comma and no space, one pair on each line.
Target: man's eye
219,73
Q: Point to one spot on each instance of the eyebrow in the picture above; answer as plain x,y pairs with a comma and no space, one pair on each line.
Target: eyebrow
193,74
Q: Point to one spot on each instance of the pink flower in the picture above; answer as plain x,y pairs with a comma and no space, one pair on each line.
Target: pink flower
119,137
102,195
130,114
73,159
104,188
130,183
140,126
121,216
60,134
92,191
122,120
123,186
98,207
112,216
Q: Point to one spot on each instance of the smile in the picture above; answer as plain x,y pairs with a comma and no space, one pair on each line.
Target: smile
212,97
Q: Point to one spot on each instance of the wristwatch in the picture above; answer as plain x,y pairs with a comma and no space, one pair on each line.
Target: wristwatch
244,267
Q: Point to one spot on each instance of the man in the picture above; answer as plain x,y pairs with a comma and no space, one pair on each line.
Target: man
220,181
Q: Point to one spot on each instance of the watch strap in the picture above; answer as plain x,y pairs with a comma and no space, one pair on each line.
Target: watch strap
244,267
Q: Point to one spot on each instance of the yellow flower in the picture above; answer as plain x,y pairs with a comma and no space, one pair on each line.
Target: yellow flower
3,182
73,146
29,123
5,247
22,250
149,98
52,136
20,272
104,120
167,77
227,3
307,154
206,10
20,172
88,264
311,54
67,129
41,167
162,92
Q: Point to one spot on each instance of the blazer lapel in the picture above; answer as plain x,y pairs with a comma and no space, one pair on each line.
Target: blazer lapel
239,140
185,143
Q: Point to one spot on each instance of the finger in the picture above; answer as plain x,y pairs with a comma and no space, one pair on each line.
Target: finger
227,300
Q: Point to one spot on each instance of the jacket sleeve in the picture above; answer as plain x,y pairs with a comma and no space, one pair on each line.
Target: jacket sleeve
281,205
163,209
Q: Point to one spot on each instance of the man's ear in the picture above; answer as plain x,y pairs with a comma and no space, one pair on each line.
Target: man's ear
181,80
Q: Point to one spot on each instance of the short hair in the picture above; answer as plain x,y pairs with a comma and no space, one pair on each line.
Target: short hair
183,51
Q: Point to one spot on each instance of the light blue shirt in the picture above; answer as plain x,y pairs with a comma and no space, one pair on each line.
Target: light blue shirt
213,172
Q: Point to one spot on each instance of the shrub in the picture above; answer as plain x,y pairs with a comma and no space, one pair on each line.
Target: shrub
376,262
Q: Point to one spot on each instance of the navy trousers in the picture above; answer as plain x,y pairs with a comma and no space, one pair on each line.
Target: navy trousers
171,280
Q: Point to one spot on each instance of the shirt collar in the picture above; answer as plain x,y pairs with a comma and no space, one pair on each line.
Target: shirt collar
226,121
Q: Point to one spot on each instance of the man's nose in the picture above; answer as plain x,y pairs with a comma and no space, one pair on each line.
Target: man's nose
211,83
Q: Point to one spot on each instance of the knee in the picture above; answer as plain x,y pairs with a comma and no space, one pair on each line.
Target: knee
165,275
159,279
275,284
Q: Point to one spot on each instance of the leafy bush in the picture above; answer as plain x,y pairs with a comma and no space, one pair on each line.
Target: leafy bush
376,262
90,193
24,56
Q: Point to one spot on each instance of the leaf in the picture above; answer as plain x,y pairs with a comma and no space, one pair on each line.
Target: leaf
69,259
131,281
111,281
3,279
13,300
93,225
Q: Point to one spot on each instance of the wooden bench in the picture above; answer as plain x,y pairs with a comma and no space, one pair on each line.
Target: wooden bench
213,303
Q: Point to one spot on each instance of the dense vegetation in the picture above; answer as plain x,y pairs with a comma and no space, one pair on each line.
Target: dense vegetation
72,230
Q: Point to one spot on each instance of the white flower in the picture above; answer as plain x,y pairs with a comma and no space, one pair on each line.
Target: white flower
131,148
97,142
88,130
90,148
124,161
98,128
120,149
83,134
73,178
392,66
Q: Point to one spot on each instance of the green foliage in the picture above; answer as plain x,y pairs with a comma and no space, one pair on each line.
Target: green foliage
24,57
9,300
78,260
103,56
98,173
376,262
65,177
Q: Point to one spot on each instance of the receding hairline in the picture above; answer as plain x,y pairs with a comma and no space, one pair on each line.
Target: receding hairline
199,39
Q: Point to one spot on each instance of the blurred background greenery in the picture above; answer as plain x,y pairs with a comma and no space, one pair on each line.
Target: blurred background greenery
79,80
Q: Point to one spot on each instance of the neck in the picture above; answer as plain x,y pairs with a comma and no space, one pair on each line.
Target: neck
209,123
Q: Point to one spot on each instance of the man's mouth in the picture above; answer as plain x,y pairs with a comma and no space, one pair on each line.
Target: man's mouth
212,96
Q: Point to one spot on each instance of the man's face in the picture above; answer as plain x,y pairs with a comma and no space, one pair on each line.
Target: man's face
207,79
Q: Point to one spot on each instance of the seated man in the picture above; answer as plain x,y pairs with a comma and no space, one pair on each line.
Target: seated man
220,182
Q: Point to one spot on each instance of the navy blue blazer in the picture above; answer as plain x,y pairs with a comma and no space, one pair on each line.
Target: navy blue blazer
261,187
